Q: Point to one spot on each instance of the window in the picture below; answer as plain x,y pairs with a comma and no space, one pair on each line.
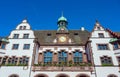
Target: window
0,59
26,46
48,34
106,60
75,33
47,57
115,46
16,36
24,60
118,58
12,60
112,75
77,56
102,46
62,56
4,60
20,27
14,76
24,27
15,46
3,46
26,36
98,28
101,35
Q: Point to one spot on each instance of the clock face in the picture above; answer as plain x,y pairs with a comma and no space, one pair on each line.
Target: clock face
62,39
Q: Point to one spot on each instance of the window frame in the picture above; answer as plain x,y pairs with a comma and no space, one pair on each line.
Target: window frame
15,48
26,46
78,56
101,35
103,46
15,36
48,57
106,59
25,36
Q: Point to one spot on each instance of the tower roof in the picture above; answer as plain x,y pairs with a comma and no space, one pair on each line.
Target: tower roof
62,18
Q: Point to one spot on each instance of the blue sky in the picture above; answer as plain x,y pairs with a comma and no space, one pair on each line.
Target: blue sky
43,14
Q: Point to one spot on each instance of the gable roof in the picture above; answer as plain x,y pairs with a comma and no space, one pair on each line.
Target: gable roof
80,38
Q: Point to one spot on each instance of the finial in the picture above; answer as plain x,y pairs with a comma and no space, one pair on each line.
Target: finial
25,20
62,13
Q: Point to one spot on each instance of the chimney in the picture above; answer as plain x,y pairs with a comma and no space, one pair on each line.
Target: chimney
82,29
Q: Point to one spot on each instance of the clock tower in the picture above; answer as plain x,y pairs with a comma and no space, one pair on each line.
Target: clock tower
62,34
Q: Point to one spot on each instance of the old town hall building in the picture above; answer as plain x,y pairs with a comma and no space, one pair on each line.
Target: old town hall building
60,53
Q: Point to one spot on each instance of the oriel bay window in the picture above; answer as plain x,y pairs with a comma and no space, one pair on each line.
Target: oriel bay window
62,57
48,57
77,57
106,61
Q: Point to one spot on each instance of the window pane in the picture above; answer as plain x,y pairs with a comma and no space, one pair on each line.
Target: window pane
62,56
102,47
26,36
26,46
101,35
15,46
47,57
16,36
77,56
3,46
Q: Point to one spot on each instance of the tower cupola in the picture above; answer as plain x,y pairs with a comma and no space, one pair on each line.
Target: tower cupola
62,24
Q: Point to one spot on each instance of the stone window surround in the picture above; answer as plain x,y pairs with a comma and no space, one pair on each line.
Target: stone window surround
55,56
15,57
107,57
103,44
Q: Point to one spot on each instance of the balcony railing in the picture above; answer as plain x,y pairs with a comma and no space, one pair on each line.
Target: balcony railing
62,67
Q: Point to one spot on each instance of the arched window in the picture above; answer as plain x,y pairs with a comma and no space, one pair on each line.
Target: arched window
112,75
62,57
77,57
62,75
13,75
48,57
41,75
82,75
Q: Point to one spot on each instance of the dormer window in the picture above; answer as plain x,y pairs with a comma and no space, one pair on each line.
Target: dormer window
98,28
75,33
101,35
49,34
24,27
20,27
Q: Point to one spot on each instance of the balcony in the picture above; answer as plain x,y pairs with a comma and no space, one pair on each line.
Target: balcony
62,68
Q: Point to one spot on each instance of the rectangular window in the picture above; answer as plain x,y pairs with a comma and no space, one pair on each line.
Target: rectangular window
26,46
118,58
3,46
26,36
15,46
24,60
103,47
77,57
24,27
4,60
116,46
0,59
13,60
106,60
47,57
62,56
101,35
20,27
16,36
